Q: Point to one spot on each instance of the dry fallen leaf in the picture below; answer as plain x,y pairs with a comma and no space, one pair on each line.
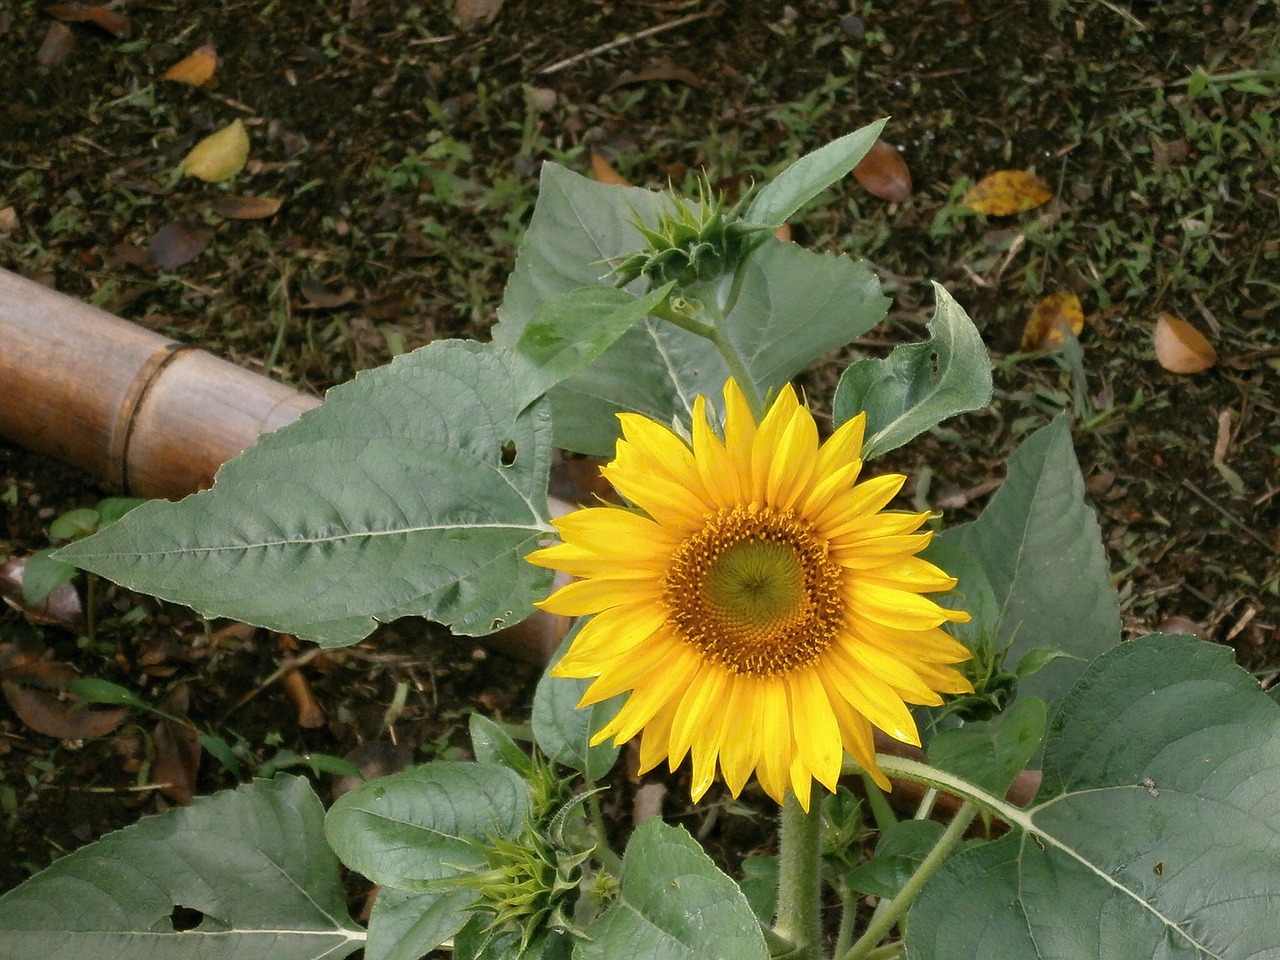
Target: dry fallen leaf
1007,191
58,41
178,243
219,156
196,69
8,220
603,171
1180,347
783,233
112,21
246,208
476,13
1053,318
320,297
177,750
884,174
665,70
61,608
36,693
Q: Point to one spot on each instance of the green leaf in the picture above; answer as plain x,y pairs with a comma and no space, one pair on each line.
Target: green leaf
673,904
491,744
1038,544
407,926
563,732
43,574
74,524
919,384
991,754
1157,832
1036,659
411,828
252,863
95,690
794,307
566,334
810,175
398,496
760,885
899,852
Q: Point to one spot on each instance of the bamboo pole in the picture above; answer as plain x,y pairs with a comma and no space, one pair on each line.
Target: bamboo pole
147,415
143,413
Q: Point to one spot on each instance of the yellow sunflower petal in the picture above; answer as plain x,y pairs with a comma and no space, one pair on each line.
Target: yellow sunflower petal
843,447
911,573
715,467
791,470
584,597
859,741
740,753
866,498
816,732
739,434
663,657
774,767
608,635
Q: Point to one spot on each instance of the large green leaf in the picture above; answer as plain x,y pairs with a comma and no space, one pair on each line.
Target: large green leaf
1157,834
415,489
918,384
673,904
794,306
243,874
426,823
810,175
1038,544
564,732
406,926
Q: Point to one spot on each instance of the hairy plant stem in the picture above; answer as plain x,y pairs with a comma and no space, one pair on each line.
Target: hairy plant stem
603,851
890,912
799,917
881,812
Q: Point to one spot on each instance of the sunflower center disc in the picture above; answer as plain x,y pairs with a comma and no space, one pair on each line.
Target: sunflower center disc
755,590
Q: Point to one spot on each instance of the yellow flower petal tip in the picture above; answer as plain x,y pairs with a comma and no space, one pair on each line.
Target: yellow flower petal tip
729,602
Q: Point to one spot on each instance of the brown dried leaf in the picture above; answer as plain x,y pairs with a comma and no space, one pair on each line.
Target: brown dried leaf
884,174
246,208
37,694
1176,623
783,233
178,243
1180,347
472,14
112,21
1053,318
603,171
1007,191
61,608
177,746
8,220
196,68
660,71
320,297
310,714
58,42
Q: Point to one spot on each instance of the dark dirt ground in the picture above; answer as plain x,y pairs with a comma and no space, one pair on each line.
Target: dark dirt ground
406,152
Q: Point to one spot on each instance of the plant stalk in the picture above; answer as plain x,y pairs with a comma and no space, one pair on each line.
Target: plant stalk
799,917
888,915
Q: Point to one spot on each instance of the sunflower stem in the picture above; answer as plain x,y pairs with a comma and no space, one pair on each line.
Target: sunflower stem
848,914
799,917
889,913
603,851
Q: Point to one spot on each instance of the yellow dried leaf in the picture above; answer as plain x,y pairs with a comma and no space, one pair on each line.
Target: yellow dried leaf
1052,319
604,171
1007,191
196,69
1180,347
219,156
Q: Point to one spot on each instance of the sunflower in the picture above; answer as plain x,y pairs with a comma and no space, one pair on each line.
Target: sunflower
764,612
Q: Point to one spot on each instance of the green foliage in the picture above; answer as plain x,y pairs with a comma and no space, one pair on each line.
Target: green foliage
791,307
415,489
244,873
426,823
1156,830
1038,548
673,904
919,384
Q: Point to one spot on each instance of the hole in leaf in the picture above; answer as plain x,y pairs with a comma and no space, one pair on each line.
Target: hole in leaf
508,453
185,918
935,363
